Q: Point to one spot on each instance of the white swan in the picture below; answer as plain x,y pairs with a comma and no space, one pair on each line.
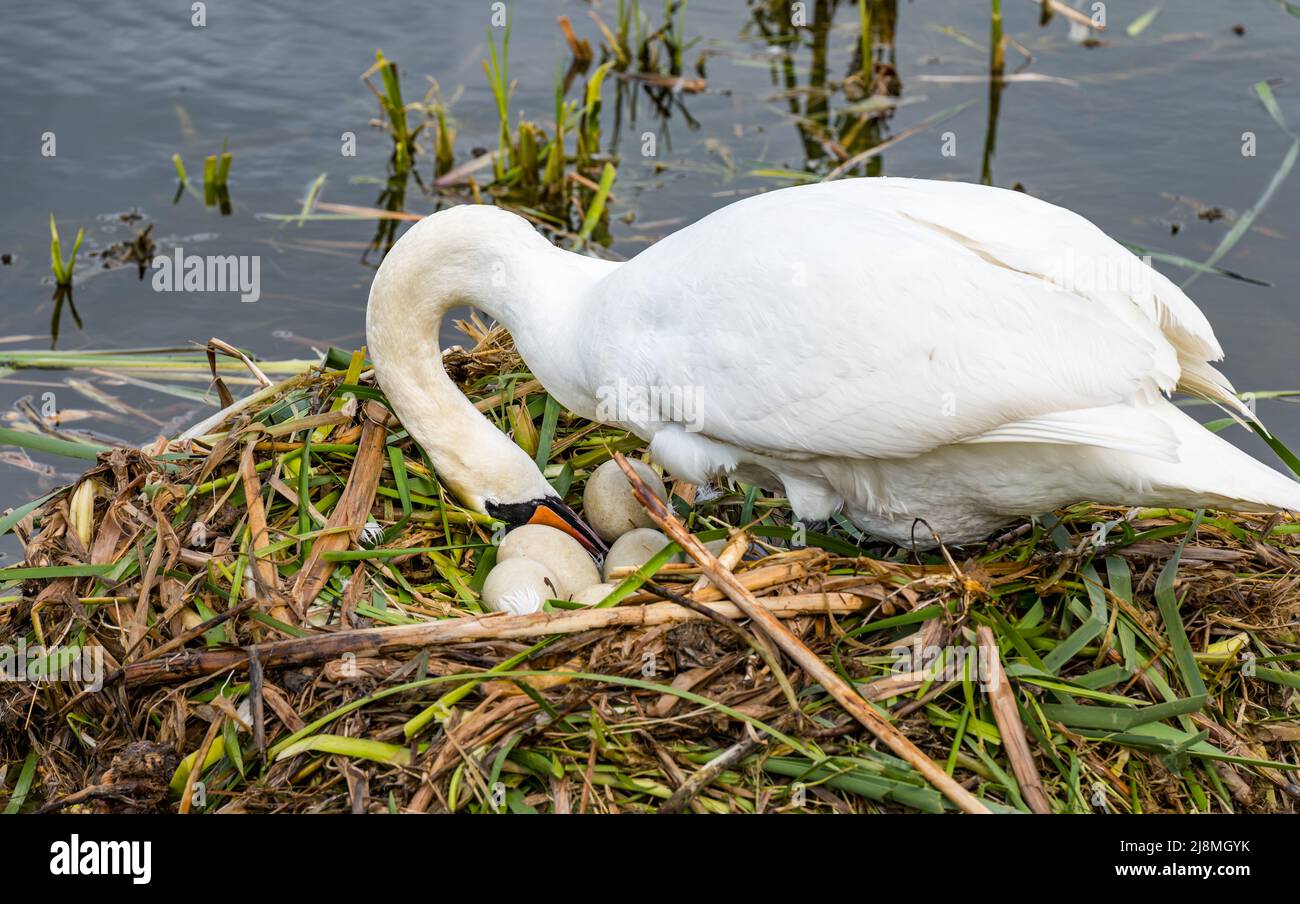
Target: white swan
896,349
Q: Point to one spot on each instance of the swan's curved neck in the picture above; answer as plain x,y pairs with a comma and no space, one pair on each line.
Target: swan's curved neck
488,259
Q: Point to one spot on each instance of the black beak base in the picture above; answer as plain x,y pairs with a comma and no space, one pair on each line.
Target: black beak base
551,512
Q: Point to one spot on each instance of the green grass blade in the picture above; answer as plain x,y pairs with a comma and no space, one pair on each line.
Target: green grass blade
1276,676
1265,94
21,573
597,207
72,258
1168,603
1141,23
1113,718
1289,7
309,199
56,254
399,478
546,436
1279,448
8,521
1096,623
23,786
223,169
39,442
1195,266
360,748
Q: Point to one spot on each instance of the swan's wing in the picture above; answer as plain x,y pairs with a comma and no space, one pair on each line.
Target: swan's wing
1014,230
884,318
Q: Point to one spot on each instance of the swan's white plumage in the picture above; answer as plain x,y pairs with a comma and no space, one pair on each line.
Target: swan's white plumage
889,337
893,348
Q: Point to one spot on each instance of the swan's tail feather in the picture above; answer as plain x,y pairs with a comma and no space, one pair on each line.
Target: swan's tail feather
1118,427
1206,382
1212,473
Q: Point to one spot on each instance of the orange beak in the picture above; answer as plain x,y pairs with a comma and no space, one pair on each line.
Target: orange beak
552,512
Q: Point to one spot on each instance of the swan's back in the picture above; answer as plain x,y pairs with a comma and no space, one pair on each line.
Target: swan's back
884,318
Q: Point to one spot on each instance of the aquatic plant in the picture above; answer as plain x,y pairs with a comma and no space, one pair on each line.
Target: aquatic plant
1264,93
651,56
394,111
444,132
673,33
838,137
997,66
596,209
864,43
63,267
497,69
216,174
578,48
997,41
618,42
588,130
549,174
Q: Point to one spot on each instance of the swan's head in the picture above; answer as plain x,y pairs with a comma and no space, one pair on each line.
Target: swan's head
549,511
481,257
504,483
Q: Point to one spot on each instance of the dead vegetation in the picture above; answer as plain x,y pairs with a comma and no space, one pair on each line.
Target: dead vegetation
287,596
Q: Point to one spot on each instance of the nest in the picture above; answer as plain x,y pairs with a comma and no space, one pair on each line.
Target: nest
279,612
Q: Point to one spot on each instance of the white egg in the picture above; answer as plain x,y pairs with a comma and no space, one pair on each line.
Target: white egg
519,586
563,555
608,503
590,596
634,548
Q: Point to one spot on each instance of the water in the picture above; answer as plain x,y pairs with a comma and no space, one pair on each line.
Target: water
1147,131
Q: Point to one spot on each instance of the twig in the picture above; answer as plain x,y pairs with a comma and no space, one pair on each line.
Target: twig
255,709
115,790
497,626
731,554
1070,13
885,145
352,509
1012,729
263,570
704,776
200,756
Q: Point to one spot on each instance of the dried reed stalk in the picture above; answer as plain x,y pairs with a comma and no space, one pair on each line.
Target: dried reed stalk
1012,729
497,626
352,510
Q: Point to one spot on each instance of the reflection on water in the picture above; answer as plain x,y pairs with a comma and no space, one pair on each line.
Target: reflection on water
696,104
832,133
62,296
392,198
